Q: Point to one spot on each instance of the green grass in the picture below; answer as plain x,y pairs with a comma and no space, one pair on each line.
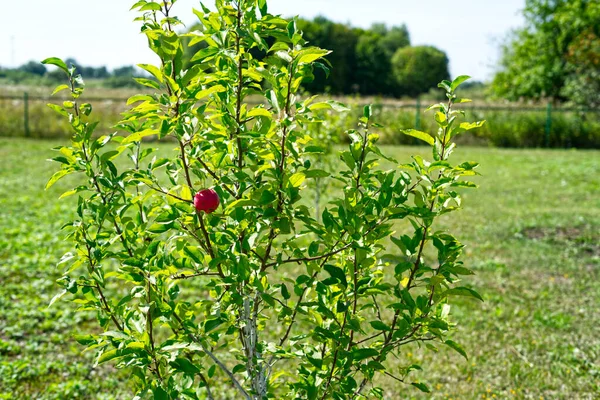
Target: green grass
533,237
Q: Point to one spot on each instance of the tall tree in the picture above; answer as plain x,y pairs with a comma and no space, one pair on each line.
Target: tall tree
342,40
419,69
373,74
537,60
392,39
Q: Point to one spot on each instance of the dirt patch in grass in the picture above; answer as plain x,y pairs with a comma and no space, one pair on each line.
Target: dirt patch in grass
583,238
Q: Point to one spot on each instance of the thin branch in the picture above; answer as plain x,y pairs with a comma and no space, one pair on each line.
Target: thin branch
150,327
215,177
186,168
335,357
103,300
368,338
222,366
203,273
161,190
240,87
209,246
394,377
272,234
308,259
207,386
94,179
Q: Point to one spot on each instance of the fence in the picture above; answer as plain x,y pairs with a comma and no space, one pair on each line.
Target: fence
508,126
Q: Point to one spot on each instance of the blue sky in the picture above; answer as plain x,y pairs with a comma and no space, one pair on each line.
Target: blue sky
100,32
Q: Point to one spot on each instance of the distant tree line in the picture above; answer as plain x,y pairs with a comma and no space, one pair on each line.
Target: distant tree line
375,61
34,72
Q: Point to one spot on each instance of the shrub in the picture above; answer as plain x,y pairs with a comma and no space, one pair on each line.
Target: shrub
418,69
257,299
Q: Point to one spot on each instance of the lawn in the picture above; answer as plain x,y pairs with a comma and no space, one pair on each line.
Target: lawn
533,237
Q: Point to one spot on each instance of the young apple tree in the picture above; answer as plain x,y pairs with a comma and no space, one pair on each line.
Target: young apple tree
210,276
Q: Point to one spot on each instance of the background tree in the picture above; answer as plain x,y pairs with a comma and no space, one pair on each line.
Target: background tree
583,85
419,69
373,67
342,40
538,60
33,67
392,39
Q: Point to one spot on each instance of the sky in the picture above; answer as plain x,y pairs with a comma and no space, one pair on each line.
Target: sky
101,32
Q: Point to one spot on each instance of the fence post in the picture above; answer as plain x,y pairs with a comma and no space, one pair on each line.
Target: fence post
548,124
26,113
418,115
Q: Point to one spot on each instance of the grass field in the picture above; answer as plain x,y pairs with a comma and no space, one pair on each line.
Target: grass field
533,236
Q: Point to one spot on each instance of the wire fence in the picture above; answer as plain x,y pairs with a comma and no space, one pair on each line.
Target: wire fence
25,115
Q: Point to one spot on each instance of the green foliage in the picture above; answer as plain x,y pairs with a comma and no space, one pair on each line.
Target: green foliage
553,55
361,58
34,68
418,69
373,73
195,295
393,38
341,40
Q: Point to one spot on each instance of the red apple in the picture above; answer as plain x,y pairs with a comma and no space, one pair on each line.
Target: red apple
206,200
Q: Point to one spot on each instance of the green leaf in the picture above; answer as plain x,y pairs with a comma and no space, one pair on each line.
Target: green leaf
291,28
310,55
317,173
462,291
57,297
284,292
160,393
185,365
147,82
58,109
60,89
193,253
426,137
139,97
458,81
421,386
380,326
262,5
284,55
85,340
155,71
361,354
136,137
57,62
336,273
331,104
467,126
259,112
212,324
452,344
107,356
297,179
205,53
57,175
207,92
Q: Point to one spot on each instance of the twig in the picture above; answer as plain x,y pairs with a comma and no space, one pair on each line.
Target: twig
215,177
184,276
222,366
